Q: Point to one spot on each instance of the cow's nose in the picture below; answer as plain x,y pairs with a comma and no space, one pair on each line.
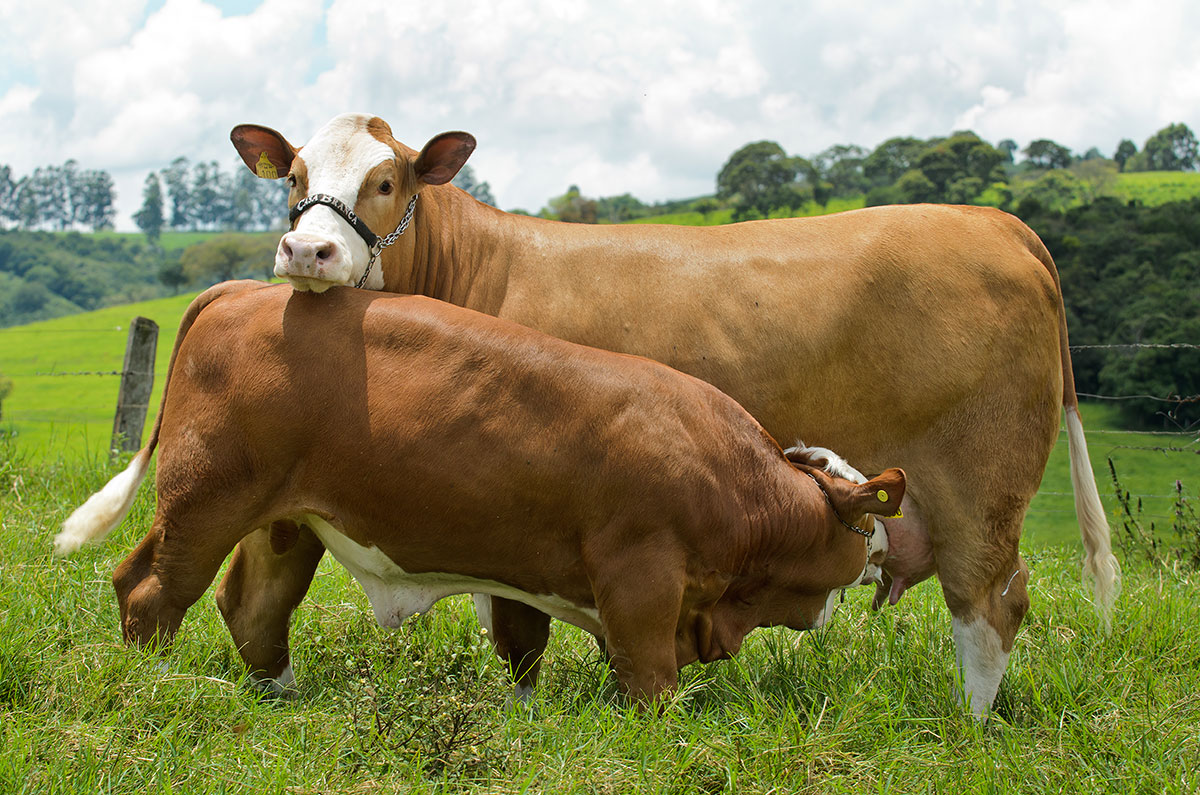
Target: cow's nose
310,257
308,251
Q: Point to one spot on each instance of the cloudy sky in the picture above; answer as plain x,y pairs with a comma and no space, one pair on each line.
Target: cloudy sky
645,96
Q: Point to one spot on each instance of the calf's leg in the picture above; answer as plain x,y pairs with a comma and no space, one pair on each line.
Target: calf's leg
168,571
270,573
639,611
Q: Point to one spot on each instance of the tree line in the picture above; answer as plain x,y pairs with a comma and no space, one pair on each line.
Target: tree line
57,197
762,180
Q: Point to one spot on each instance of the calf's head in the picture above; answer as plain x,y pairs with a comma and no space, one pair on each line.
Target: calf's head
852,504
353,161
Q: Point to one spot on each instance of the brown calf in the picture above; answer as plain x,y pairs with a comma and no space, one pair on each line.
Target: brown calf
435,450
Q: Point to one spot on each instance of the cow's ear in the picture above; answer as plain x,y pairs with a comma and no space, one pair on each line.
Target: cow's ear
443,156
264,151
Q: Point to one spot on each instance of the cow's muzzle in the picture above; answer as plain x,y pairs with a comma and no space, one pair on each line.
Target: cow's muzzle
375,243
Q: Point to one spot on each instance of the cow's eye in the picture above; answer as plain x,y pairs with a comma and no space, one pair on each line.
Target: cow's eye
385,187
291,180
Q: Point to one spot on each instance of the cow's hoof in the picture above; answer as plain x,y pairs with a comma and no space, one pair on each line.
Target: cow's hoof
281,688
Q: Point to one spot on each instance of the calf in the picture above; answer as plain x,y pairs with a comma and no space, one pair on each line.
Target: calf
435,450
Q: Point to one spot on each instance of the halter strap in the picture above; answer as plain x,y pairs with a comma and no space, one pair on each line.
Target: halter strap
374,242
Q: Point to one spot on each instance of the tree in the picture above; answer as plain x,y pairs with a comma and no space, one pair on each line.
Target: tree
1044,153
892,159
210,196
25,208
465,179
914,187
149,219
227,256
1125,150
1008,147
759,177
616,209
176,179
842,166
8,190
1056,190
49,189
572,207
1173,148
93,202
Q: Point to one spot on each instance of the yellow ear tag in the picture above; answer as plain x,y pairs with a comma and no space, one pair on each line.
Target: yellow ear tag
264,168
883,497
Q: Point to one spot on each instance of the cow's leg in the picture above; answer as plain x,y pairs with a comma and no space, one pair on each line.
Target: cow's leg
168,571
984,583
269,575
984,631
519,634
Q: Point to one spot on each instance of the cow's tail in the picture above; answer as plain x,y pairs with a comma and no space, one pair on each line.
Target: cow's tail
105,509
1099,563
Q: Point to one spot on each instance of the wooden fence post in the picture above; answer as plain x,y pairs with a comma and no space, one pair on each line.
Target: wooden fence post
137,379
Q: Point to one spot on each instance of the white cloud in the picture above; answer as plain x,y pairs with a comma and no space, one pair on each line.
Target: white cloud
649,98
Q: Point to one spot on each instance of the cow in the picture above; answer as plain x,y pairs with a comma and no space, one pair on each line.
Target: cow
955,314
434,450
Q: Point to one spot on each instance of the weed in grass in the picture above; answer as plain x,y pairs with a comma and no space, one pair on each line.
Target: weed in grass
1180,548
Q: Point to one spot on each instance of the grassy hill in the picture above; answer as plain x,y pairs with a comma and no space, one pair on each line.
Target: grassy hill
1153,188
54,416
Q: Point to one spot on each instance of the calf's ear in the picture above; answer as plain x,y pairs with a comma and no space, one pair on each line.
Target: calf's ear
882,494
264,151
443,156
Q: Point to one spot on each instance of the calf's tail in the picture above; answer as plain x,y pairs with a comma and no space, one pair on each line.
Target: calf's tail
105,509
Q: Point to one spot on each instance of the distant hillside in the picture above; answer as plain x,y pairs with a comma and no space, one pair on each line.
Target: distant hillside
1154,188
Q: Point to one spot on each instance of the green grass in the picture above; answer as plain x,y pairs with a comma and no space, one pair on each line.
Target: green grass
1147,464
863,706
54,415
1153,188
173,241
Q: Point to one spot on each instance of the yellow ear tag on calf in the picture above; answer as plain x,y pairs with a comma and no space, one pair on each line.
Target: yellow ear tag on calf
264,168
883,497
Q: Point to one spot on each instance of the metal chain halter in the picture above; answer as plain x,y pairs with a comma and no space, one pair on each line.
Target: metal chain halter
847,525
374,242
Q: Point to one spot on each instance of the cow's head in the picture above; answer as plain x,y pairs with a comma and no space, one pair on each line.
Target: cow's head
355,162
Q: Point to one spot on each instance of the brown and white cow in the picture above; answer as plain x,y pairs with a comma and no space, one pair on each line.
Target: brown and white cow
954,314
435,450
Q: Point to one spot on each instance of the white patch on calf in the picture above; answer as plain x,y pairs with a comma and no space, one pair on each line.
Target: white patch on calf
834,463
981,662
395,594
826,613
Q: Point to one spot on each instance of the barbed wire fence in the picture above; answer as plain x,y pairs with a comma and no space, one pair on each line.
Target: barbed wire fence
1185,440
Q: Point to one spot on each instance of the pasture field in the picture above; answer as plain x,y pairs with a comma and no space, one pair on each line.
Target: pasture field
1153,188
865,705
